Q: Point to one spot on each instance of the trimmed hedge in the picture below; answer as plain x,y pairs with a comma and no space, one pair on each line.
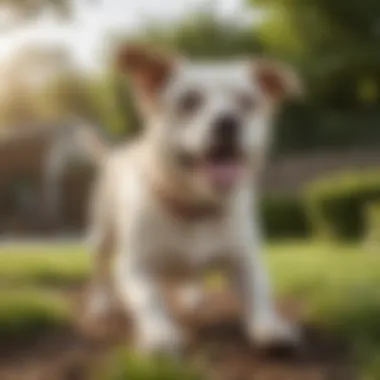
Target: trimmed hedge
336,205
284,216
27,314
372,218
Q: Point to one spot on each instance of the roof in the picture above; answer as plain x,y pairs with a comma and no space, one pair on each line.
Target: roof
288,174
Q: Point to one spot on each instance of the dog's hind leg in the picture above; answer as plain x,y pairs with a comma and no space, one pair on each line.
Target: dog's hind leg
101,295
101,247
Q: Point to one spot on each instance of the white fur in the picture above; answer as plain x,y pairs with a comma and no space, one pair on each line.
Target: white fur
147,234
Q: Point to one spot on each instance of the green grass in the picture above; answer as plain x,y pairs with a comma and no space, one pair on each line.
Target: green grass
31,303
45,266
340,289
125,365
338,285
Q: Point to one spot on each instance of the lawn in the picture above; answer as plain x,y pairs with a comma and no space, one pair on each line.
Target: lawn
339,287
48,266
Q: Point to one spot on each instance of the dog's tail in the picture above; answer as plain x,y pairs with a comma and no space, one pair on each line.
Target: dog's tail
91,139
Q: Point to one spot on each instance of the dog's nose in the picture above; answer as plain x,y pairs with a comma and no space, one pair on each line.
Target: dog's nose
227,128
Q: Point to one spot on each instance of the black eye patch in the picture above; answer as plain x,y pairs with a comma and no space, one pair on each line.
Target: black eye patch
247,102
189,102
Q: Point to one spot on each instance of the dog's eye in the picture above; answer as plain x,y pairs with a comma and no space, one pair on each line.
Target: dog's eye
247,102
189,102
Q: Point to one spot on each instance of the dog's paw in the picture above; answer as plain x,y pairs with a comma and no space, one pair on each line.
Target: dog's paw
271,331
160,337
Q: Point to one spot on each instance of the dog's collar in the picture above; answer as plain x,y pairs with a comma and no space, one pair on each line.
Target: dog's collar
183,209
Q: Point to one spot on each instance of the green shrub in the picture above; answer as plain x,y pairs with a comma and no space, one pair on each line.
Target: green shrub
284,216
335,206
372,227
27,314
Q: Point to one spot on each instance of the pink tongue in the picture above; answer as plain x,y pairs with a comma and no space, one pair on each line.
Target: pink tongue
224,174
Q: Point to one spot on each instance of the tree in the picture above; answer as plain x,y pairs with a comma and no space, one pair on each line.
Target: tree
335,42
40,83
22,11
203,34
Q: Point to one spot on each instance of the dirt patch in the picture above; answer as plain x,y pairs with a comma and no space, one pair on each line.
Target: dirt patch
228,356
218,347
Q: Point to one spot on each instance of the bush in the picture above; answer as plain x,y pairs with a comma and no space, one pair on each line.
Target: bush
335,206
27,314
372,218
284,216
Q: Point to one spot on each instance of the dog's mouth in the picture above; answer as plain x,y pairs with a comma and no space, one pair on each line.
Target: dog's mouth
222,166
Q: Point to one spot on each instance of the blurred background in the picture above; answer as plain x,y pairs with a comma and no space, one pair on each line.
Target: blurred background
321,186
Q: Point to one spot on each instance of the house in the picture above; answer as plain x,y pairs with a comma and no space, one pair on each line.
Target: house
289,174
44,181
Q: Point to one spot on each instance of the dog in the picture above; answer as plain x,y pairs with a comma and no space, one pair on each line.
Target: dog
186,189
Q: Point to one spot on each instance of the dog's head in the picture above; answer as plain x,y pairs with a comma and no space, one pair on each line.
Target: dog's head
209,121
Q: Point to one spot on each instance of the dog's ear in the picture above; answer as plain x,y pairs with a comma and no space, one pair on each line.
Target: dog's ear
148,69
277,80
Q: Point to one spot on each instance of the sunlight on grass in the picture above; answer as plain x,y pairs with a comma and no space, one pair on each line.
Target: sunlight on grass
312,268
340,289
338,285
48,266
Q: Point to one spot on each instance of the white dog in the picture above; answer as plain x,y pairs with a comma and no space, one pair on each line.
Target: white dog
185,191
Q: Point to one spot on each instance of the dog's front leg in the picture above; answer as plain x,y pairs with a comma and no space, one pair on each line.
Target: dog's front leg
155,329
265,325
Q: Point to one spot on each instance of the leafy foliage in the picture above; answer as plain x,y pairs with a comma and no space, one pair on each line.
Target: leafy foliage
372,221
336,205
284,217
203,35
334,41
27,314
